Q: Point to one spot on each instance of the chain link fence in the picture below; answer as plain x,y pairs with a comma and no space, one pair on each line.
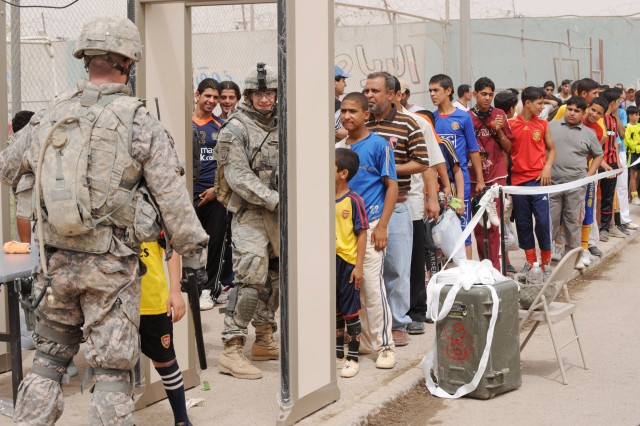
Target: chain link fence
412,39
41,35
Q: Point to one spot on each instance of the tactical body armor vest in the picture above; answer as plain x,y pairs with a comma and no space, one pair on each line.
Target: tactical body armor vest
260,144
88,181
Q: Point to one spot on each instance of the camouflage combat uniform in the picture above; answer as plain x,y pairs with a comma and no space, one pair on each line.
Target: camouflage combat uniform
100,292
248,150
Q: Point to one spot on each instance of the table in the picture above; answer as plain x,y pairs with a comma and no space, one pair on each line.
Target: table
14,266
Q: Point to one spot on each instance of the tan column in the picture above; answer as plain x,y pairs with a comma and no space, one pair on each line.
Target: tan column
311,209
5,223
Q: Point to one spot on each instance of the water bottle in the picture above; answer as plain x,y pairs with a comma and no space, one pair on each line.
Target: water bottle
535,276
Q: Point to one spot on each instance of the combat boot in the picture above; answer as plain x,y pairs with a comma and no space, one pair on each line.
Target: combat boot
264,348
232,361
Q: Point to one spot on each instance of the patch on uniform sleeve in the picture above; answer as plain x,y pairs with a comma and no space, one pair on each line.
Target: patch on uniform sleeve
224,153
166,341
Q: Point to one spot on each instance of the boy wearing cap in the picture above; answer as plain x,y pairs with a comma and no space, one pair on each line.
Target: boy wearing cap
630,98
340,77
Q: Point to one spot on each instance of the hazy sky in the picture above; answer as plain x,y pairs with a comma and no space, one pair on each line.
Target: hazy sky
576,7
498,8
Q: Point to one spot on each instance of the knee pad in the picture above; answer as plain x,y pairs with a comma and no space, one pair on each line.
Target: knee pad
57,332
125,385
48,364
242,304
354,327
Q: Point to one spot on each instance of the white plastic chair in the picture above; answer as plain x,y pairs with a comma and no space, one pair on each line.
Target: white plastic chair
552,311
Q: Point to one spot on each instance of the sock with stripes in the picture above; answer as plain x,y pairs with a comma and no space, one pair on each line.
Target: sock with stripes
339,336
174,387
353,330
586,230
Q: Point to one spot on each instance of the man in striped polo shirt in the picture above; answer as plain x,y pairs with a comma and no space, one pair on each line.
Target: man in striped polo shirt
410,153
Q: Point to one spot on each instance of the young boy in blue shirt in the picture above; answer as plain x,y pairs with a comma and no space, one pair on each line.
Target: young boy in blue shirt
351,244
376,181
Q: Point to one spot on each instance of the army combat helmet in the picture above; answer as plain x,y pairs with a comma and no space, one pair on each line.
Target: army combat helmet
265,78
109,34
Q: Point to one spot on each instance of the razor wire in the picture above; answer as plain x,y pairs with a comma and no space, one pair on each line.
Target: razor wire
412,39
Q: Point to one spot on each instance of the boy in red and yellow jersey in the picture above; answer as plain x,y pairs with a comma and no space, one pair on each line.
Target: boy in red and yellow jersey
351,244
532,154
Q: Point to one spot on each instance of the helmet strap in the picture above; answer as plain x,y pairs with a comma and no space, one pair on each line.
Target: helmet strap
111,61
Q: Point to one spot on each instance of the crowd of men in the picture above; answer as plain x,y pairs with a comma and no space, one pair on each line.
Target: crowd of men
532,138
97,150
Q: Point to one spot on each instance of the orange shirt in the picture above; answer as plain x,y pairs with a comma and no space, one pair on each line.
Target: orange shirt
528,149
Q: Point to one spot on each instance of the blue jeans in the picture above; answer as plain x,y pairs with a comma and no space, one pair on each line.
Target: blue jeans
525,208
397,265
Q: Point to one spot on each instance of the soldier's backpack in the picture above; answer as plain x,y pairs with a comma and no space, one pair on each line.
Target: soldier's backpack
86,179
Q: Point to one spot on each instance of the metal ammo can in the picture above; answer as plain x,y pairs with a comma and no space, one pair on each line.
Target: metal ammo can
461,338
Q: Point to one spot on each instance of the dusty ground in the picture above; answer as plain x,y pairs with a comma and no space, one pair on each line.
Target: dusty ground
418,407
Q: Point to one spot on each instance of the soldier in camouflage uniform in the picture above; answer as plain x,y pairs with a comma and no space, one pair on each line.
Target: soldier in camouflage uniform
93,294
248,151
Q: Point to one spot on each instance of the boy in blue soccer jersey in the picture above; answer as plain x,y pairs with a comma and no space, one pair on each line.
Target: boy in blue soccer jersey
457,127
376,181
351,244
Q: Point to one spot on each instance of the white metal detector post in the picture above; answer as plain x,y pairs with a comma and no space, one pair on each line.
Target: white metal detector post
305,50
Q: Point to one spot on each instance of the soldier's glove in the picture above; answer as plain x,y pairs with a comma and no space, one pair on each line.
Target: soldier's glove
201,278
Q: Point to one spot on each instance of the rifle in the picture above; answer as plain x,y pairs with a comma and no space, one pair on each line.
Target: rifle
189,285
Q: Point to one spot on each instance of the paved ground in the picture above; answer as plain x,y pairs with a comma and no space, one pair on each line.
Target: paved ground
606,393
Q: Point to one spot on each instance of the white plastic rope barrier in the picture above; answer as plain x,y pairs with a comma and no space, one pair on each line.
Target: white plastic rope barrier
533,190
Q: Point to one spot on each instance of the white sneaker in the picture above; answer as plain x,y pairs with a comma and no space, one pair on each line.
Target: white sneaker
557,251
635,201
492,213
632,226
206,301
224,295
340,363
579,265
350,368
586,258
386,359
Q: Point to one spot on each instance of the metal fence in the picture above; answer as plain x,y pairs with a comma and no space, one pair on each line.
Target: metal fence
412,39
40,37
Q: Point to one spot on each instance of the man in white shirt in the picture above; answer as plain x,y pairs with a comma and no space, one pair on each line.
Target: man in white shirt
464,97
